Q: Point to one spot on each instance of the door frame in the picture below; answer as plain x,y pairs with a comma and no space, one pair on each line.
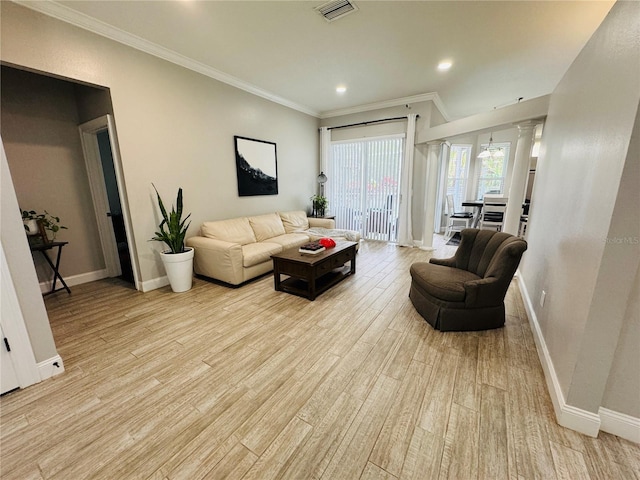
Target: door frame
89,138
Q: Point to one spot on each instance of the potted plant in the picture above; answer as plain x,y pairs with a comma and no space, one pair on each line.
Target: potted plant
43,224
319,203
178,260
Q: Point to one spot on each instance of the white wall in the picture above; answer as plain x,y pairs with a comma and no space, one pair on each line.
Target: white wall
578,182
175,127
616,300
23,273
622,392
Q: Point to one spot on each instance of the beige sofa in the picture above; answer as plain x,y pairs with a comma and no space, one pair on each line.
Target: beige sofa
239,249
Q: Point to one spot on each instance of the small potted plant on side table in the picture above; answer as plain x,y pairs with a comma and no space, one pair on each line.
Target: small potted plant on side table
178,260
43,225
319,203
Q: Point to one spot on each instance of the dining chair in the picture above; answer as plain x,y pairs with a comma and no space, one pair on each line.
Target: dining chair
457,221
493,212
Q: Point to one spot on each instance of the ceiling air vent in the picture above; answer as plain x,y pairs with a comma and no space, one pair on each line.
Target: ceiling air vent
336,9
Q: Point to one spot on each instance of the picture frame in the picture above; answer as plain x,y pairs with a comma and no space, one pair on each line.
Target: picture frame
256,166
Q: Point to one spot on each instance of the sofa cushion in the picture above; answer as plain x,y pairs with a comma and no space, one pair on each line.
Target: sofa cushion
255,253
234,230
290,240
266,226
294,221
444,283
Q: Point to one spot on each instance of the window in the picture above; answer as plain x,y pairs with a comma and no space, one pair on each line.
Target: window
457,173
493,169
366,185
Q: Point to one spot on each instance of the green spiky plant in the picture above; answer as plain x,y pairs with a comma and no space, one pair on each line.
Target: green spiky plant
175,231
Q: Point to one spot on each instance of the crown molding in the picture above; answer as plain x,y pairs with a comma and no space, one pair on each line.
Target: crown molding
425,97
86,22
80,20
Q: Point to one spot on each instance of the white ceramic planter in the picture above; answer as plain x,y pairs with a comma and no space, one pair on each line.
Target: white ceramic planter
179,268
32,227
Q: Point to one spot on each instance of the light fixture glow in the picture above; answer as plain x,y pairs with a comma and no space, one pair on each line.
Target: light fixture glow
444,65
341,89
491,151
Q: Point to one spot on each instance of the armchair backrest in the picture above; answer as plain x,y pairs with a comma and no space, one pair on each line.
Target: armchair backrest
489,253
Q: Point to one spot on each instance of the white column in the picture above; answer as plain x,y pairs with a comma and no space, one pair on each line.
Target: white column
519,176
430,193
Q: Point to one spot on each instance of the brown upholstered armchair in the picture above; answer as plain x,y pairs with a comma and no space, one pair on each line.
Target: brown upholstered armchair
466,291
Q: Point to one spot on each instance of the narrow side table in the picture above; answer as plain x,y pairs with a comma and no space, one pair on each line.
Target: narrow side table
42,248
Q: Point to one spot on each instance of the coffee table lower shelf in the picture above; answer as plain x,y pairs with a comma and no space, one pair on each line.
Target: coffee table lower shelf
300,287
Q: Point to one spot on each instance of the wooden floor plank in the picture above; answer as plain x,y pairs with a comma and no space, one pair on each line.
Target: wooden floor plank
493,461
460,454
351,456
423,457
391,446
569,464
313,457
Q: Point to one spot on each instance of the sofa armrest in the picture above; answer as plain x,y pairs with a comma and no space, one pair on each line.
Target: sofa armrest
329,223
217,259
486,292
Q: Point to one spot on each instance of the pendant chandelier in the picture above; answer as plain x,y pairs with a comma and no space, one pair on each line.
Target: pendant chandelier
491,151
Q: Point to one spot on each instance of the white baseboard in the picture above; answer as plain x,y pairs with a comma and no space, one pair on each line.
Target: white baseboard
568,416
99,275
154,284
50,367
582,421
624,426
75,280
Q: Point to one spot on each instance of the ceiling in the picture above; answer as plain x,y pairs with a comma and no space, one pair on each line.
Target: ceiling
385,51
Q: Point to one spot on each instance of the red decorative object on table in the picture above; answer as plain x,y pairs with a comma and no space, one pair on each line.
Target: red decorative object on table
327,242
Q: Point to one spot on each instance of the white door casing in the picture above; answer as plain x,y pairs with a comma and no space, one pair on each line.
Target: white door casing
95,173
88,135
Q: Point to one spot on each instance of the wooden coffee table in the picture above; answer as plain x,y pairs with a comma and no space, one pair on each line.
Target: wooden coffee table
310,275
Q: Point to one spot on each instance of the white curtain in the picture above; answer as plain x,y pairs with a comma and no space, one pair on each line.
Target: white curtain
325,157
405,236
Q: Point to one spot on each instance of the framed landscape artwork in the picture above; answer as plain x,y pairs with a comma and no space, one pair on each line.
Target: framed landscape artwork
256,167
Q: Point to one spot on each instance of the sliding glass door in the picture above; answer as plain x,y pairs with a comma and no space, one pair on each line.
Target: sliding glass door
366,185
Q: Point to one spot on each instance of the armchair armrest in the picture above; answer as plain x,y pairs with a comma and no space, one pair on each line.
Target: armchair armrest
447,262
486,292
217,259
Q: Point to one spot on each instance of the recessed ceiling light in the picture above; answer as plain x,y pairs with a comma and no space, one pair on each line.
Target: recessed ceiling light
341,89
444,65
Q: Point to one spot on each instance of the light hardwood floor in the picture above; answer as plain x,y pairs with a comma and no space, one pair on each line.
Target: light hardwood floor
250,383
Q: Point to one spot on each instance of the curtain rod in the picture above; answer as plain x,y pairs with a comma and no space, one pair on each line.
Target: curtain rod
371,121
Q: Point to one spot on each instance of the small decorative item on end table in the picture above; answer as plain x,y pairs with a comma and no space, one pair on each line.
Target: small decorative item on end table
310,275
41,227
